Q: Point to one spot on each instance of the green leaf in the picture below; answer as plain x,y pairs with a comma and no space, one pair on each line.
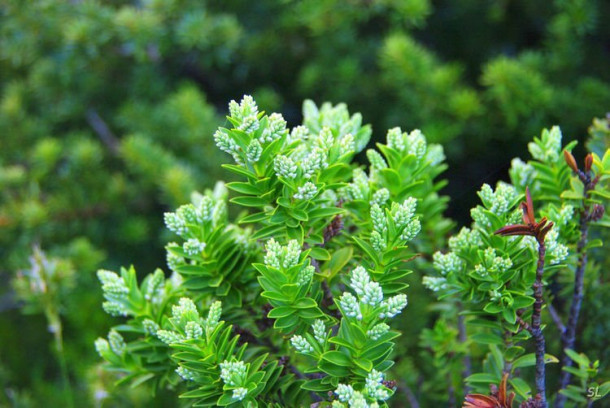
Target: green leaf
246,201
320,254
520,302
529,360
281,312
252,218
579,359
520,387
339,259
273,296
604,389
317,386
337,358
267,231
305,303
594,243
483,378
365,364
325,212
244,188
601,193
509,315
299,214
370,252
573,394
286,322
240,170
487,338
575,371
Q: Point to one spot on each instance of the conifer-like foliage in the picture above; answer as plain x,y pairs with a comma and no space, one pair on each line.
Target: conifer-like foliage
107,116
296,296
294,300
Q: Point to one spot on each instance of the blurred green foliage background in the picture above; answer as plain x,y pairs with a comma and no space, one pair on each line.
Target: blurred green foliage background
107,110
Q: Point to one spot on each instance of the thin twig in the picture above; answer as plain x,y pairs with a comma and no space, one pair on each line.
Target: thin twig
556,318
402,386
463,338
103,131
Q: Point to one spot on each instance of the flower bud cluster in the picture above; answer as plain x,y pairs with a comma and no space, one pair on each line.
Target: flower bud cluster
435,284
115,292
301,344
306,192
499,201
156,287
370,297
245,113
187,322
548,148
492,264
521,173
233,374
359,188
373,391
282,257
448,263
413,143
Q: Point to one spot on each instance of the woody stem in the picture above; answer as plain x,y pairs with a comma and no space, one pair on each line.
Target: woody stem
569,335
536,323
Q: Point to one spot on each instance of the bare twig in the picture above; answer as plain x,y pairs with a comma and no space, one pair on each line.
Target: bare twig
463,337
556,318
103,131
405,389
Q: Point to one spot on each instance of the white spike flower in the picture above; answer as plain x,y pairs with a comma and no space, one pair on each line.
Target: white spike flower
301,344
393,306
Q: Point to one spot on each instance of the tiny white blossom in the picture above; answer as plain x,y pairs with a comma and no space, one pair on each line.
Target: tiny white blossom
344,392
417,143
306,192
193,330
233,373
254,151
380,197
285,167
350,305
186,374
360,279
319,331
117,344
376,160
101,346
292,252
373,294
379,220
211,322
301,344
240,393
396,140
378,330
447,263
435,284
169,337
193,246
305,275
393,306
